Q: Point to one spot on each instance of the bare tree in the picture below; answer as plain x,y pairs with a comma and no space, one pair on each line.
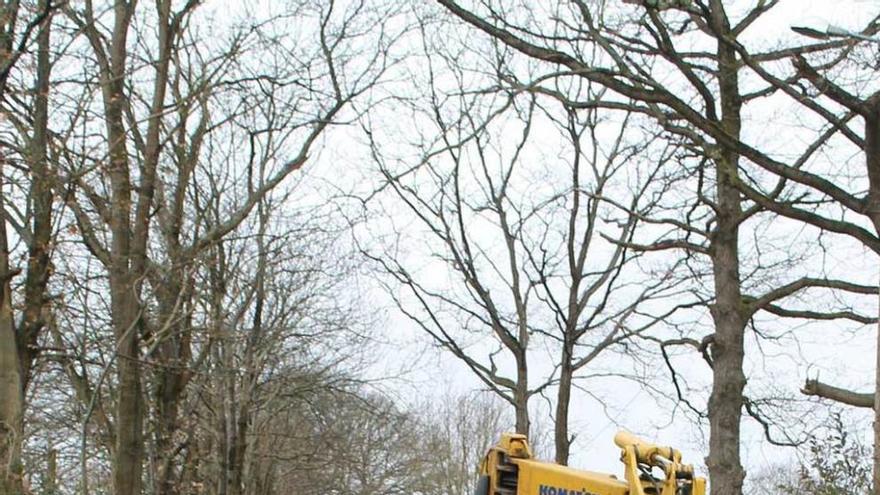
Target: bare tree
281,334
703,108
457,429
355,442
807,190
537,251
33,226
130,173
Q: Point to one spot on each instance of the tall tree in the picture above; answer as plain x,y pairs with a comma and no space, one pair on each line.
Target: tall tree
140,209
18,333
540,258
814,193
693,90
128,213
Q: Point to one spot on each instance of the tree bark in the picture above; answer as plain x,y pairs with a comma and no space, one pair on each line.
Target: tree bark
844,396
128,464
130,233
563,399
251,367
174,353
876,473
11,380
51,485
40,195
239,449
872,161
521,395
17,344
726,399
124,285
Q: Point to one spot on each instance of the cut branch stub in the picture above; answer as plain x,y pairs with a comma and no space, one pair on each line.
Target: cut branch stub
825,391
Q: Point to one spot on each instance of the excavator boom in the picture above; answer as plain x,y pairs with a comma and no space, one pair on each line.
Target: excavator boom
510,469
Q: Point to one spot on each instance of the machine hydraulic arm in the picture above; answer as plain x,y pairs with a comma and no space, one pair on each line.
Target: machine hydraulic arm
510,469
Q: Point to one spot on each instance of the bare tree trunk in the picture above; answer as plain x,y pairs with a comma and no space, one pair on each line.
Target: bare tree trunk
174,354
40,194
222,447
239,449
17,345
726,400
563,399
228,436
51,484
251,366
127,471
174,291
11,380
877,405
167,411
223,387
872,158
128,252
125,307
521,395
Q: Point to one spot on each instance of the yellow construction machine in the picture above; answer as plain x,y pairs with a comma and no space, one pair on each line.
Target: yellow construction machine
510,469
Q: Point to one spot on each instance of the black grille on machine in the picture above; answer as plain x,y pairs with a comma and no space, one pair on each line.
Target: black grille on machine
506,476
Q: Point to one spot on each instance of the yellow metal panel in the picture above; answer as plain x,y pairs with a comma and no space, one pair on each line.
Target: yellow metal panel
510,464
543,478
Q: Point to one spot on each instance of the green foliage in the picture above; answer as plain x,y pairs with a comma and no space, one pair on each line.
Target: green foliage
838,464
